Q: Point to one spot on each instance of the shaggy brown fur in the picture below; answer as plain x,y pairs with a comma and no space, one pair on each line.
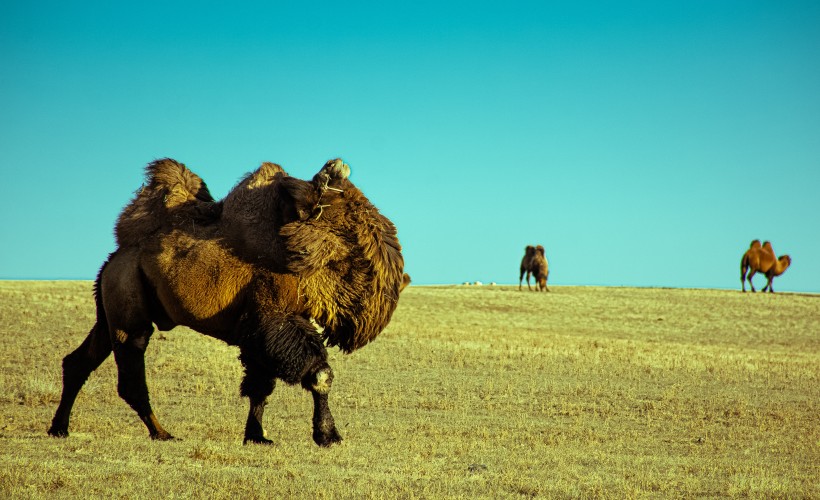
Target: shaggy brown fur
761,259
173,195
535,263
258,270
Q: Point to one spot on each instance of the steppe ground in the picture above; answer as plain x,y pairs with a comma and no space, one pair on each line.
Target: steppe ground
471,392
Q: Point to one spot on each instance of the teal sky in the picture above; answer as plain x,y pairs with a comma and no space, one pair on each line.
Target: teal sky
642,143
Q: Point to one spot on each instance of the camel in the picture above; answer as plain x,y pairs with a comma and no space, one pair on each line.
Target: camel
535,263
281,268
761,259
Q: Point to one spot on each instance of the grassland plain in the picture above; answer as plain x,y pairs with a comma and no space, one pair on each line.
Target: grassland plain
471,392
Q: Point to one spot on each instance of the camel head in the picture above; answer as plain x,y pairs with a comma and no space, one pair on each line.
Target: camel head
348,256
333,172
783,263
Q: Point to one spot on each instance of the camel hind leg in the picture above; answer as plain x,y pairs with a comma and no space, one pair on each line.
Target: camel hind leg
131,385
129,322
749,278
77,366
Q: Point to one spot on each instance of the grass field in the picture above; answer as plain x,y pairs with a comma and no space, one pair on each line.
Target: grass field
470,392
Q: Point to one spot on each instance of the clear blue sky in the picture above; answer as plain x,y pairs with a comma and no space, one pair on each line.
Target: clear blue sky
642,143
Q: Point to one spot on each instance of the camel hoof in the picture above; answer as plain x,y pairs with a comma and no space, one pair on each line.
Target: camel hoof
58,433
257,440
326,440
163,437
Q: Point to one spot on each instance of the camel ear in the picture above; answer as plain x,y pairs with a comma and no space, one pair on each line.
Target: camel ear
310,248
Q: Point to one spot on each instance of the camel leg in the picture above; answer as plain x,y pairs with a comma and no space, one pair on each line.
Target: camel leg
751,285
290,349
131,385
743,278
77,366
126,304
769,279
256,386
520,278
324,428
528,281
546,289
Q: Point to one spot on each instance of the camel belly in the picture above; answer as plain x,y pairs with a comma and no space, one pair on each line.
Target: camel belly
198,282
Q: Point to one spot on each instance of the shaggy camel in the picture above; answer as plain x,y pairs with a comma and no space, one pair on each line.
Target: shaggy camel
535,263
761,259
280,268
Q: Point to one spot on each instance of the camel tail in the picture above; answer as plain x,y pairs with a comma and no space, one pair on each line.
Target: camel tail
102,319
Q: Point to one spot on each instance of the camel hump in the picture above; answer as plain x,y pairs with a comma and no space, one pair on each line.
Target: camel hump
755,244
264,175
179,184
540,250
767,246
169,188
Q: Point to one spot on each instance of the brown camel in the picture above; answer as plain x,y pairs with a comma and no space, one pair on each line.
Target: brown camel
279,268
761,259
535,263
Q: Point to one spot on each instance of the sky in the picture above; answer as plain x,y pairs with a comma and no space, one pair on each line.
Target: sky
643,143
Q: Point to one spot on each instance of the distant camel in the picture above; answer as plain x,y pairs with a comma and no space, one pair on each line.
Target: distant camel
535,263
761,259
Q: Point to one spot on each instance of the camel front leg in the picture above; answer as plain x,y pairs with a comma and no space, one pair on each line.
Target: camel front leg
257,386
769,280
290,349
324,427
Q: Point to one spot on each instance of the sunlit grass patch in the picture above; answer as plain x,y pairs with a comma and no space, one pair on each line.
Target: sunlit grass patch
470,392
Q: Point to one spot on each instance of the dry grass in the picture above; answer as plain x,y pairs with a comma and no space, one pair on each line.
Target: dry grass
470,392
